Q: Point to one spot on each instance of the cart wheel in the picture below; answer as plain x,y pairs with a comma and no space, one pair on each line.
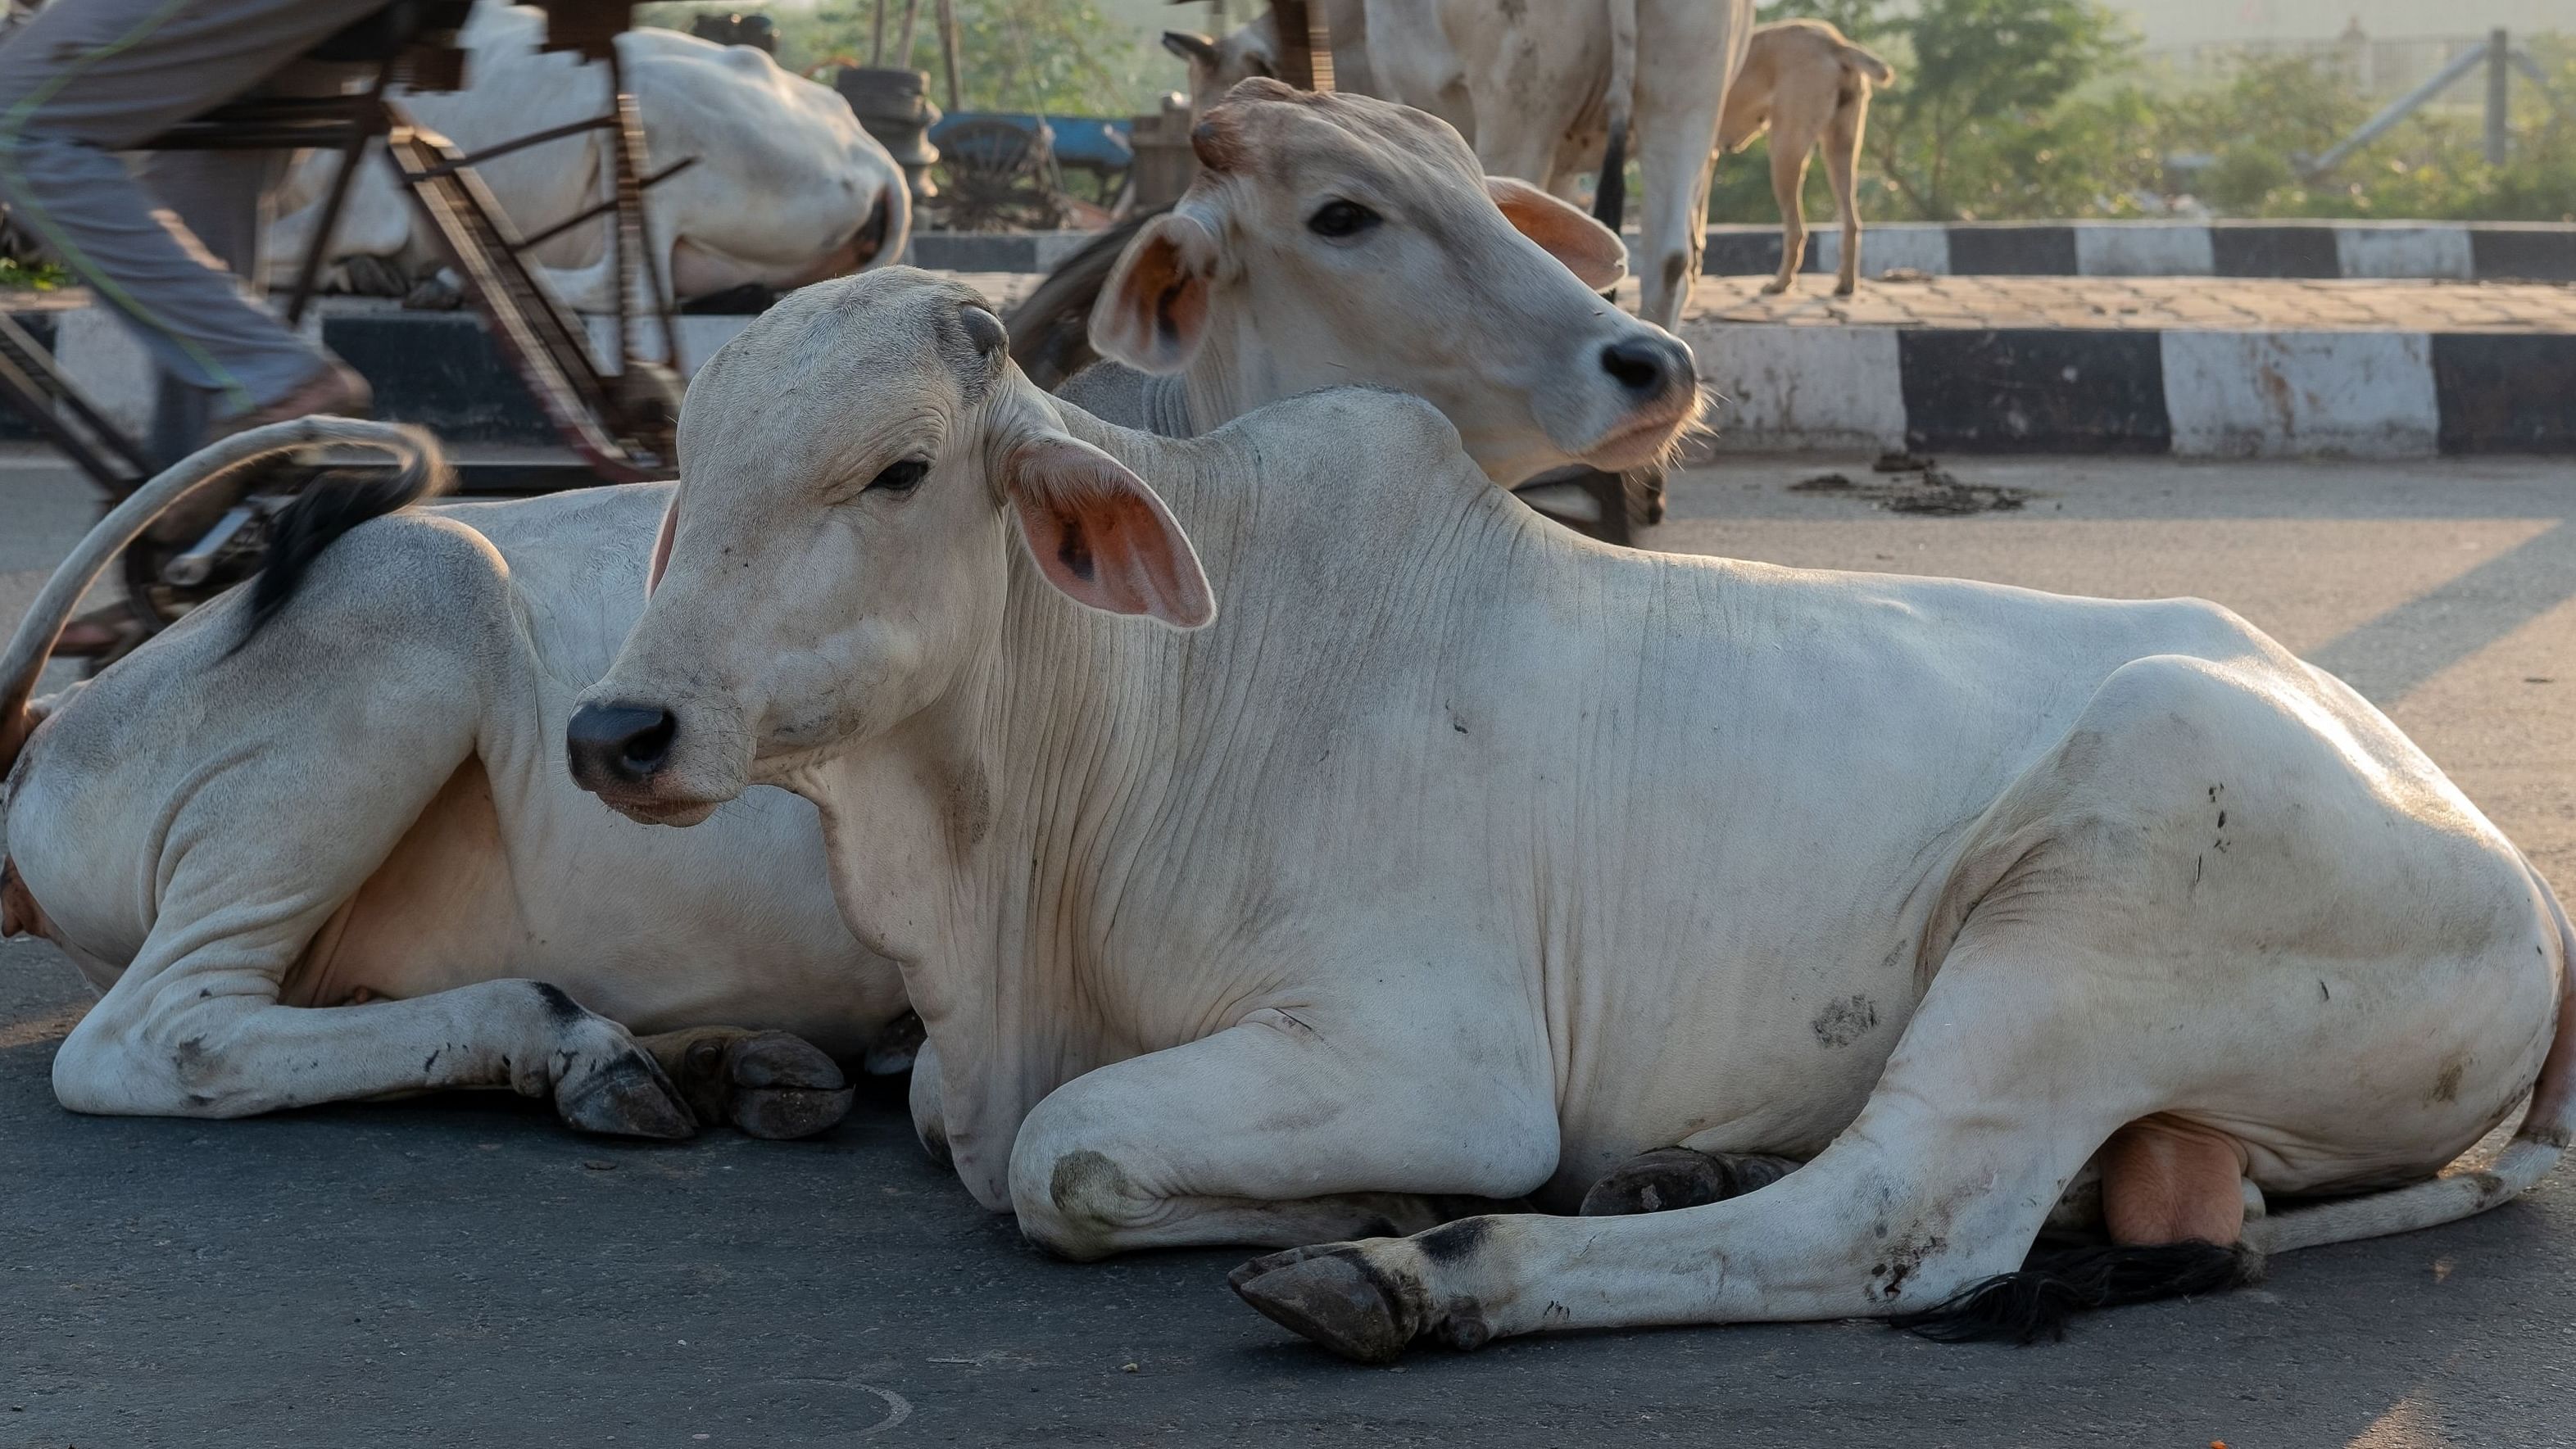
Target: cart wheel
997,177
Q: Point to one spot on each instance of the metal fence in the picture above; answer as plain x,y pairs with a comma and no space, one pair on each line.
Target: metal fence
2376,67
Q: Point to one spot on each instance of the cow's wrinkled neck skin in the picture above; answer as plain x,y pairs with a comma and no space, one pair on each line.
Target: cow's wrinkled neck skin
987,844
1235,371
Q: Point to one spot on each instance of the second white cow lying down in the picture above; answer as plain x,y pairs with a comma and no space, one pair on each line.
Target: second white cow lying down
787,188
1460,856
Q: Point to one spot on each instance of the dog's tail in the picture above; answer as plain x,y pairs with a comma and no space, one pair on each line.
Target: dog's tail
1861,62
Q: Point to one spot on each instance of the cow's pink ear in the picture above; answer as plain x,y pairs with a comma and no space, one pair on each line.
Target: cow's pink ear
1101,536
1591,251
1153,313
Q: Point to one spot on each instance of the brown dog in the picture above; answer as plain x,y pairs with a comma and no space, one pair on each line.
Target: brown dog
1805,83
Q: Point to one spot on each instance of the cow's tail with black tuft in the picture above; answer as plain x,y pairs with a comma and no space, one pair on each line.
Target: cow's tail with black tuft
328,510
2054,1284
1610,194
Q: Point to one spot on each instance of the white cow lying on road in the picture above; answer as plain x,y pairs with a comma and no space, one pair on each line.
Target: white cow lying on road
787,187
1808,86
1461,856
423,860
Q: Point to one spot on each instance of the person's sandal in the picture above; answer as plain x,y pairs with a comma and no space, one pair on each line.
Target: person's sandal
337,390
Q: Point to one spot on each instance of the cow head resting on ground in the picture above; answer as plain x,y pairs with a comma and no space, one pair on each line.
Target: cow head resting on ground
874,457
1334,239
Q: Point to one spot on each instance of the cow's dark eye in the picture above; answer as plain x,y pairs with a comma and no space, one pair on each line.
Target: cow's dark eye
1338,219
901,478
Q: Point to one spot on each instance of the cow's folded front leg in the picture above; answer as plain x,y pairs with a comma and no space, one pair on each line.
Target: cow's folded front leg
768,1083
207,1042
1286,1128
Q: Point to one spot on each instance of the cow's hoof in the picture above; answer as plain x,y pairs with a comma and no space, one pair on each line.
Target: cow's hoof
1678,1177
628,1097
1332,1295
769,1084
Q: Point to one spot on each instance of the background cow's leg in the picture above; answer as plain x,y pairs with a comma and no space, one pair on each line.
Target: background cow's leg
1918,1198
1680,44
1274,1129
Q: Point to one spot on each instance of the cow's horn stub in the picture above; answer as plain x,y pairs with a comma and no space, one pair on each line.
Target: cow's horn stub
1218,141
983,329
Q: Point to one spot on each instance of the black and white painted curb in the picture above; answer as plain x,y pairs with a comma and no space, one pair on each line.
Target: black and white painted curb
2189,393
2355,250
2392,250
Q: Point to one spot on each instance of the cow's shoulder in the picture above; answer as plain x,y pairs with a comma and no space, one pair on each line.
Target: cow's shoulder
1349,432
573,566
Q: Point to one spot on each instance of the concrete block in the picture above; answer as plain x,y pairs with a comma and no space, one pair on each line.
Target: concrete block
1801,387
1922,246
2036,390
2142,249
2289,394
2405,249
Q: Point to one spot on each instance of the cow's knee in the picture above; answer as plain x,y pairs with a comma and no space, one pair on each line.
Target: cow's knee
1076,1202
174,1060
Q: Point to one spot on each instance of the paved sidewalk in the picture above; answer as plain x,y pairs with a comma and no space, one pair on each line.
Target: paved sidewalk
2227,304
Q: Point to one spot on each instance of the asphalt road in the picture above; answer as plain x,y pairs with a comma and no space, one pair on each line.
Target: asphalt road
463,1272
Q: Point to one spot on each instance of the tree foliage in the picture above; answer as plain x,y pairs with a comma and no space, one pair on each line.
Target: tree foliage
1059,56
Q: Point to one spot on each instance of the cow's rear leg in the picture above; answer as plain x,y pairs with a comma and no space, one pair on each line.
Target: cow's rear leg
1680,1177
2174,1200
768,1083
2005,1082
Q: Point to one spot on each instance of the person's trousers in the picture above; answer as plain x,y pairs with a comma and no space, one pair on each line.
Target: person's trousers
86,79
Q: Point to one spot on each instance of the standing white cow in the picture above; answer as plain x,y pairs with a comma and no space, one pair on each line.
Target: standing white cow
424,861
787,187
1540,86
1459,855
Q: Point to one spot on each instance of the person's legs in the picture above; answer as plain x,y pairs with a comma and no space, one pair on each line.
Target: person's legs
88,78
221,197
